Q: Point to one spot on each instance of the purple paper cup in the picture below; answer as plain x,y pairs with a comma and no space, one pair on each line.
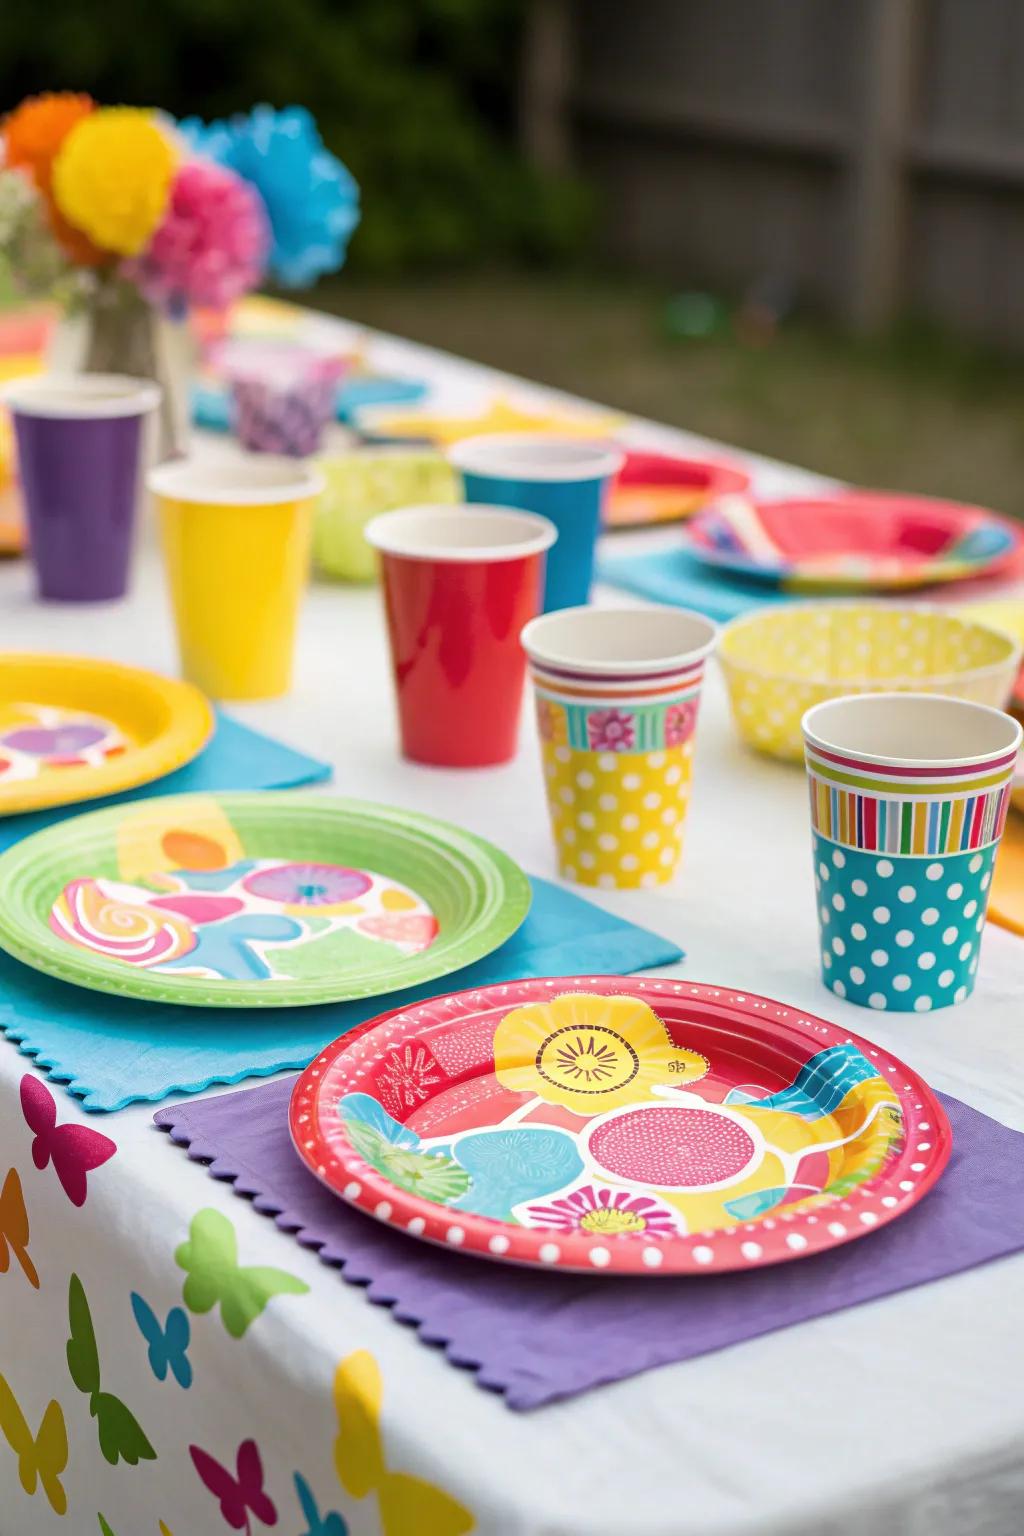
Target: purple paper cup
78,443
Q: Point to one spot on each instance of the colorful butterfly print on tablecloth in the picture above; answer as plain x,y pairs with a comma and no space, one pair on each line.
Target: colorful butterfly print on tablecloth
242,1494
330,1524
168,1342
74,1150
41,1457
121,1435
406,1504
214,1275
14,1231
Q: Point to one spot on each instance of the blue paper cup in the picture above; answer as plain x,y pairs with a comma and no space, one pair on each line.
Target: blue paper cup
564,479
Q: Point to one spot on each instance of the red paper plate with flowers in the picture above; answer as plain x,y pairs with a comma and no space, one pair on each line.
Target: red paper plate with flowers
619,1125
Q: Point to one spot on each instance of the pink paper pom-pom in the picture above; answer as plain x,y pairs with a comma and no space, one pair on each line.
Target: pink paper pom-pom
211,246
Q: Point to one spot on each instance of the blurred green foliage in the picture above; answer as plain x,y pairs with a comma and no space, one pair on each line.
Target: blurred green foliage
416,96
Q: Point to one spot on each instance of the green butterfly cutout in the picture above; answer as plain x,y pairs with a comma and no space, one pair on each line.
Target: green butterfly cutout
120,1433
210,1259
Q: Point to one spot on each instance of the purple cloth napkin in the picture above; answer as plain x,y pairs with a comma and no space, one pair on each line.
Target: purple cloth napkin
536,1337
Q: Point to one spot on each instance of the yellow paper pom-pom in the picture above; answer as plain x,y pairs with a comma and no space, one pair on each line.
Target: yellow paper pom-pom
112,178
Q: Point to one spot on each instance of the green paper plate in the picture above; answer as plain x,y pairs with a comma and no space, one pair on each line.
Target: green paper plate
255,900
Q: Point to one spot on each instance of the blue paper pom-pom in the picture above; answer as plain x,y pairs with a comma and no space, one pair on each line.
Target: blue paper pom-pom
312,199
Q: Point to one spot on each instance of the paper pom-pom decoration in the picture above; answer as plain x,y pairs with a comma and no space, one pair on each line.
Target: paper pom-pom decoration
311,198
33,135
211,245
112,176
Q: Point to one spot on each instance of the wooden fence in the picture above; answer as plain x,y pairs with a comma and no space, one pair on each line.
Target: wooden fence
868,152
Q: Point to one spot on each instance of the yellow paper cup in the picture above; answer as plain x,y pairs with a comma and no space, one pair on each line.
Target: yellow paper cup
617,692
236,539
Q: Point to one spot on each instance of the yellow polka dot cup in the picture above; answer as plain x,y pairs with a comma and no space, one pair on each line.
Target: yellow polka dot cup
617,693
780,662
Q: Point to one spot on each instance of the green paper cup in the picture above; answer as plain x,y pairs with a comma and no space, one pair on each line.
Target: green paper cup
361,485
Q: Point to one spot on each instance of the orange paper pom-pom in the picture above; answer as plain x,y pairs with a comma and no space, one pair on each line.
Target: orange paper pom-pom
33,134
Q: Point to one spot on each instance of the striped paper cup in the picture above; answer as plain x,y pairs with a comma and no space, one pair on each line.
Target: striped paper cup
617,693
909,794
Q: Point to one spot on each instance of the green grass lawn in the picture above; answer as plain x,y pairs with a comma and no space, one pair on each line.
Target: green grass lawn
912,412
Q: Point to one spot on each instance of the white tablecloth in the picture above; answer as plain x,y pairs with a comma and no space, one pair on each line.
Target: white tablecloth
906,1415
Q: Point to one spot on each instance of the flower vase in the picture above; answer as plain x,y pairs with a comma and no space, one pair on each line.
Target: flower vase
114,330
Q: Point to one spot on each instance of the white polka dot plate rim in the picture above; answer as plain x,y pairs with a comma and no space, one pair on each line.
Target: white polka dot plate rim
619,1125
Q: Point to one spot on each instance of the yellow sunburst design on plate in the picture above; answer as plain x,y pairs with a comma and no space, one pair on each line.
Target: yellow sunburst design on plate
590,1053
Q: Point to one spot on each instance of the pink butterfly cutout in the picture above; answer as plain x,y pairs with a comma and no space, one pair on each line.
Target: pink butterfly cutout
73,1149
240,1494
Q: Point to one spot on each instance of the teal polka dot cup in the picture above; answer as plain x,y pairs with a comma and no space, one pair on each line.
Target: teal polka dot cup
909,795
900,933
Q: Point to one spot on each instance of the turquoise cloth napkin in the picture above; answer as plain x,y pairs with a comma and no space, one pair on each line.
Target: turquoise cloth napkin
234,758
675,576
111,1051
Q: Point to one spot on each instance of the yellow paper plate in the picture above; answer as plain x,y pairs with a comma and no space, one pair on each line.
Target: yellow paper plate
260,313
1006,899
20,365
72,728
499,415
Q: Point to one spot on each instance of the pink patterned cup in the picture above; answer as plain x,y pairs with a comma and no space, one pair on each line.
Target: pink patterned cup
283,397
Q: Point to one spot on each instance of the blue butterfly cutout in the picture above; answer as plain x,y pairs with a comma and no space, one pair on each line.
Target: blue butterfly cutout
168,1345
330,1524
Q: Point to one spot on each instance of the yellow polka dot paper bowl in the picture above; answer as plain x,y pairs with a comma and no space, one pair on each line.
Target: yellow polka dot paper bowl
780,661
617,693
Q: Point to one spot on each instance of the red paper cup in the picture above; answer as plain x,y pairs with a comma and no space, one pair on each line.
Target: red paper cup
459,584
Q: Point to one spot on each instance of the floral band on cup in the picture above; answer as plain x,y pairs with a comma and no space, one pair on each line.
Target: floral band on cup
610,728
592,714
